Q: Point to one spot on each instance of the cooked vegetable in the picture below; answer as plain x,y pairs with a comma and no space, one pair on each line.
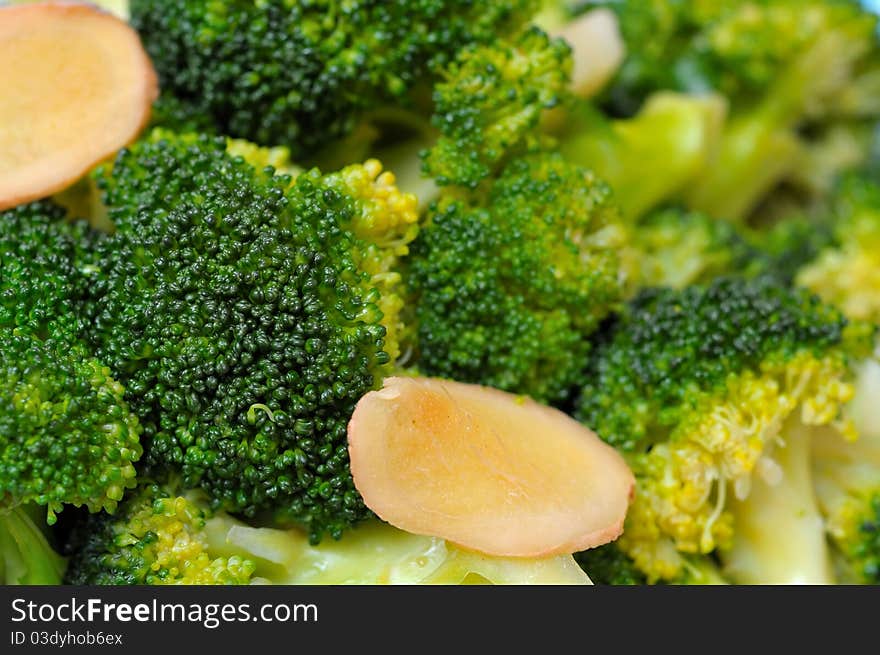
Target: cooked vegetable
283,312
160,537
789,68
487,470
78,86
694,387
305,74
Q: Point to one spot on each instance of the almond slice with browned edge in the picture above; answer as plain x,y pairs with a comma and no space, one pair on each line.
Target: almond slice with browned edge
77,86
486,470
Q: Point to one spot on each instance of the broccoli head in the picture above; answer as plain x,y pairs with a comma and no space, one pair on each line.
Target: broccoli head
246,314
677,248
847,271
303,74
509,281
693,386
156,537
489,103
67,436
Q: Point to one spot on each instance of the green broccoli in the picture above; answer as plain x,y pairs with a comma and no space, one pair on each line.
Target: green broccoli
789,68
67,436
508,282
847,478
847,271
27,554
161,537
676,248
610,565
694,387
156,537
305,74
489,103
246,313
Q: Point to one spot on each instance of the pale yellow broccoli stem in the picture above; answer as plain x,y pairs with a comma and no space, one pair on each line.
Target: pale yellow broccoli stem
377,553
779,535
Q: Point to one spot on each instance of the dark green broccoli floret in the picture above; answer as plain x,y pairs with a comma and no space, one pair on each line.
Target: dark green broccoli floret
489,103
247,315
303,74
510,281
694,387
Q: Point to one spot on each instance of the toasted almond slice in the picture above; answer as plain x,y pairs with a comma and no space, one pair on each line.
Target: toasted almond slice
487,470
78,86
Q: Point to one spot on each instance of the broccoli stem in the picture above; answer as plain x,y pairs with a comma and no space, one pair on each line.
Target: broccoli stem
651,158
779,535
865,407
26,558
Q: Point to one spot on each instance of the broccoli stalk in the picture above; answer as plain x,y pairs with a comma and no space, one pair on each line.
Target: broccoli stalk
648,159
26,556
780,532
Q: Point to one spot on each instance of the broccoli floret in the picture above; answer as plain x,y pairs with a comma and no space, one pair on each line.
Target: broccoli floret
847,478
847,271
161,537
693,387
303,74
650,158
66,434
610,565
677,248
489,104
508,282
246,314
156,537
784,249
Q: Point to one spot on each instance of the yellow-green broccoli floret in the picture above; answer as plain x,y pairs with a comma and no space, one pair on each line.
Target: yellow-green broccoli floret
156,537
693,386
